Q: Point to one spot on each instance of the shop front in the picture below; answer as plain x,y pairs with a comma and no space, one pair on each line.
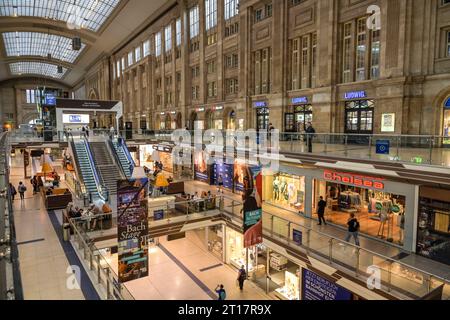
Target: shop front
163,154
433,227
285,190
379,207
446,125
298,114
359,113
146,155
262,115
214,118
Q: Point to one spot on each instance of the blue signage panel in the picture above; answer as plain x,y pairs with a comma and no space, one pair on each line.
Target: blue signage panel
50,100
158,214
297,236
260,104
382,146
299,100
447,104
74,118
355,95
315,287
226,171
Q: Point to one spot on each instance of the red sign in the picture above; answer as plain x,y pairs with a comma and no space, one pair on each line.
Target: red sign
355,179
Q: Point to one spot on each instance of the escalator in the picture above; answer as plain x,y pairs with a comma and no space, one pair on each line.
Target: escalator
123,157
86,169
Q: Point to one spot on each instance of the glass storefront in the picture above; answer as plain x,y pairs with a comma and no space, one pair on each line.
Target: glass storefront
446,130
262,118
359,115
145,155
236,253
296,121
433,230
284,190
380,214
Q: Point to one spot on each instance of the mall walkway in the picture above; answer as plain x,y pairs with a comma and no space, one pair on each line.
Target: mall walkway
43,259
337,232
184,270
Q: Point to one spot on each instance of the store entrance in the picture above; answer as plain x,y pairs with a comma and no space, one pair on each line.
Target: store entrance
446,126
262,119
296,122
359,120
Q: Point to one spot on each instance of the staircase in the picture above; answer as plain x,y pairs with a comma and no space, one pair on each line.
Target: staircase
86,170
124,162
106,166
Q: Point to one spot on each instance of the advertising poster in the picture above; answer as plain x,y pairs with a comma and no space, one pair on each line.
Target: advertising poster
226,171
201,167
252,208
388,122
297,236
132,225
315,287
240,171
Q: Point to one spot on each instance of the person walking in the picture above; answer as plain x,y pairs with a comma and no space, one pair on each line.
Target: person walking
353,229
34,183
242,276
221,293
12,191
321,205
310,132
220,183
22,188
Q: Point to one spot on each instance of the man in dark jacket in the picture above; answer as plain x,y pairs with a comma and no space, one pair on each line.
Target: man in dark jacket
321,211
310,133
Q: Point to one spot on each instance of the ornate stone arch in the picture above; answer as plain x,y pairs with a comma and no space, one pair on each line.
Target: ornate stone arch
93,94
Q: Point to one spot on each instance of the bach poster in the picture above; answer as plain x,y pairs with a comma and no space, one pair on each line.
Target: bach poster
132,224
252,192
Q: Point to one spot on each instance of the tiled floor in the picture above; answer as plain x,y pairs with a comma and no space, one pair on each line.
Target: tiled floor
43,263
175,273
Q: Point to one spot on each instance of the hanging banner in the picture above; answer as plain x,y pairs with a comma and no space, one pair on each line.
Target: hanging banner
132,225
315,287
221,168
252,191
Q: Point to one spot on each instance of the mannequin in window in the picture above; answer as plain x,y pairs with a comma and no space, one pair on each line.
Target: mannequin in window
283,188
276,189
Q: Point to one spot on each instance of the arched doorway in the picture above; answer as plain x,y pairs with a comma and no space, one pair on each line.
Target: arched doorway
93,95
446,125
193,118
231,120
168,124
179,120
209,120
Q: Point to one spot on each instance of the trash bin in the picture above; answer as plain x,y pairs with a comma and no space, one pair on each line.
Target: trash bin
66,231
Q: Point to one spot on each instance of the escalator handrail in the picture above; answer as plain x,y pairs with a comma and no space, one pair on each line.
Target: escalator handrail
75,155
113,150
127,153
101,188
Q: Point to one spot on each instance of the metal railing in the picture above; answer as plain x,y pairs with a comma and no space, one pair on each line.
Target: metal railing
98,266
10,277
396,277
416,149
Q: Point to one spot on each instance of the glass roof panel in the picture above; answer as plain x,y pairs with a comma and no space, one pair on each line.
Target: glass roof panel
40,44
89,14
36,68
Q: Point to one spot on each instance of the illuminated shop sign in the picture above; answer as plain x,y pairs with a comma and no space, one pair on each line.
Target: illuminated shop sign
447,104
199,109
357,180
162,148
162,113
355,95
173,112
217,108
260,104
299,100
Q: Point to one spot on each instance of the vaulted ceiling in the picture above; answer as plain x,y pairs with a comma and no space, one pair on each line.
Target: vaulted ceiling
36,35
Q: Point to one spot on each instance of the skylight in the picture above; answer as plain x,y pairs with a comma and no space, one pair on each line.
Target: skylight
36,68
40,44
88,14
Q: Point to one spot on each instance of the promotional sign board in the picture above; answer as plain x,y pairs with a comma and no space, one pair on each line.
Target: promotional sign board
315,287
388,122
252,207
76,118
132,225
158,215
201,167
297,236
226,171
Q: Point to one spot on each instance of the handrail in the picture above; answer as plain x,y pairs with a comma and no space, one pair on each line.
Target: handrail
93,166
127,153
113,153
9,224
76,160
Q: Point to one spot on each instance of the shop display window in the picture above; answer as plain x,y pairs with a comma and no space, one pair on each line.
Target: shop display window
380,214
446,132
433,234
236,253
287,191
145,155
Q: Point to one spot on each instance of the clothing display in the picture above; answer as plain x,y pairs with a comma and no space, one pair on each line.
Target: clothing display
291,288
285,190
349,200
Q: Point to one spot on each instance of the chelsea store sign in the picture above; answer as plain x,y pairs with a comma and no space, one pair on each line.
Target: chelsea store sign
355,95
